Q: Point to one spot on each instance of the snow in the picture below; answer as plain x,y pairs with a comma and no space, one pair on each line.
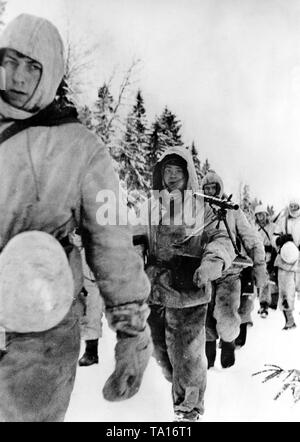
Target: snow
232,395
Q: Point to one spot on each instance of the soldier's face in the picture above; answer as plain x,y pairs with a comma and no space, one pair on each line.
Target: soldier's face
294,207
294,210
261,218
210,189
174,178
22,78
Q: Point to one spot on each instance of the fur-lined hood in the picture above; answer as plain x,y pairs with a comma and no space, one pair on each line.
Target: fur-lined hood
213,178
182,152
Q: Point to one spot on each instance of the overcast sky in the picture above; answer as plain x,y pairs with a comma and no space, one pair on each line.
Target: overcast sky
229,69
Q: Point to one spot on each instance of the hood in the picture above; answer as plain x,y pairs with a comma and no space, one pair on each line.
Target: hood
260,208
294,214
40,40
182,152
213,178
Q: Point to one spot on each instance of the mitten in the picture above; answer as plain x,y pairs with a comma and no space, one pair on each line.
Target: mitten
260,275
208,271
268,249
132,352
282,239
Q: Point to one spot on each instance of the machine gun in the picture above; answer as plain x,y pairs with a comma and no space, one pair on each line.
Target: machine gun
222,203
221,215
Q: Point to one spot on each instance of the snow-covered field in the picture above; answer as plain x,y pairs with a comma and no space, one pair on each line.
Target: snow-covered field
232,394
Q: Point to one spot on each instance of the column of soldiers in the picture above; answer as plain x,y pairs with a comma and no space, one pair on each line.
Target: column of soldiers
201,255
180,312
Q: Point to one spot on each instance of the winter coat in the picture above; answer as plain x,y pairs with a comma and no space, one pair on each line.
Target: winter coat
287,225
51,176
207,244
267,235
240,228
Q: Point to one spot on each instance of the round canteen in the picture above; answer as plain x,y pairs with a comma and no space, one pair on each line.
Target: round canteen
289,252
36,283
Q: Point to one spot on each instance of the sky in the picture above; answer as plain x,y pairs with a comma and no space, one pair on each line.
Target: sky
228,69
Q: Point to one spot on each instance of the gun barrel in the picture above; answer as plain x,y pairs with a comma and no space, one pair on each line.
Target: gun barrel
225,204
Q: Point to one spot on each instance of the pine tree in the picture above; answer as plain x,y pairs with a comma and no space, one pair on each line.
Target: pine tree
271,211
134,170
245,203
103,115
85,115
165,133
197,162
63,97
171,128
156,145
205,168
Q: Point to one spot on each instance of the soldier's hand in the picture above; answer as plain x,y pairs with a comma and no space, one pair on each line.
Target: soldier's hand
132,351
260,275
208,271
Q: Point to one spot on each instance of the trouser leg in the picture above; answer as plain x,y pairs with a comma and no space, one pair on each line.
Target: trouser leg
38,371
185,337
91,315
226,307
157,323
246,307
298,282
211,323
211,331
264,295
287,288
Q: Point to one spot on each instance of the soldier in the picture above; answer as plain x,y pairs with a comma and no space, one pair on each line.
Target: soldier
268,295
52,170
224,313
287,239
183,259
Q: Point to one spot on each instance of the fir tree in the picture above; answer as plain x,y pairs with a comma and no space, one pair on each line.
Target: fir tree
85,115
197,162
134,170
165,133
290,380
103,114
171,128
205,168
245,203
271,211
156,146
62,95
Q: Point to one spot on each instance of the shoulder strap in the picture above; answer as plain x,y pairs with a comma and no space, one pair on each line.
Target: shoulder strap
264,230
50,116
12,130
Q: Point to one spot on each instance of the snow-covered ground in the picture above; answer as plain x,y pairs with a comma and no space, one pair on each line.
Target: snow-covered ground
232,394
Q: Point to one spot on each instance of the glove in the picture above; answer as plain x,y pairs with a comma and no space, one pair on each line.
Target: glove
132,352
269,249
260,275
282,239
208,271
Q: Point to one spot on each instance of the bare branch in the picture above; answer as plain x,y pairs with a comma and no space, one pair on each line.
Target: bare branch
126,82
